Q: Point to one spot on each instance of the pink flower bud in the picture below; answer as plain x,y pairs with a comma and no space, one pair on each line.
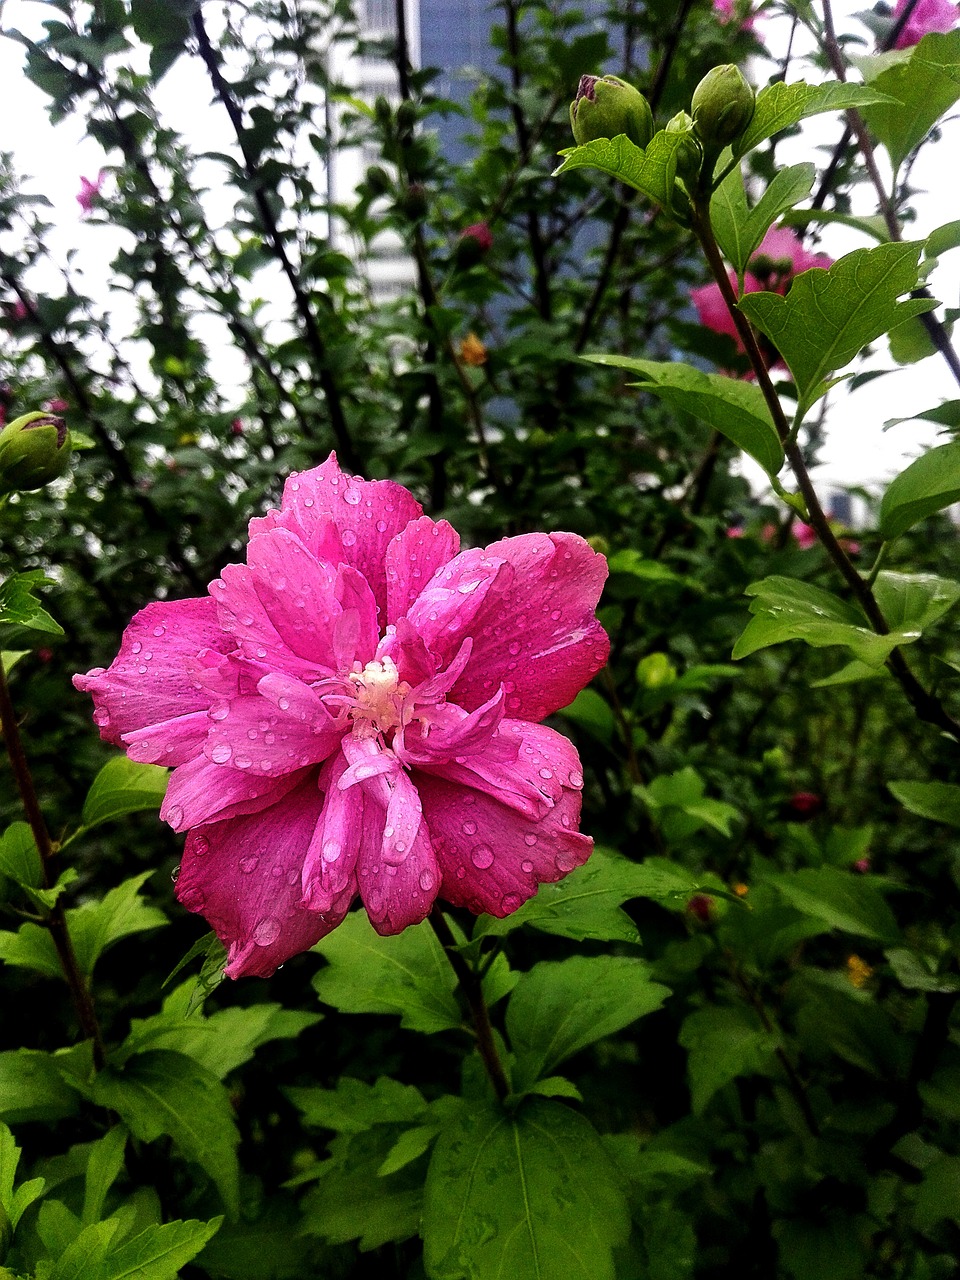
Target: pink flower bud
479,232
805,803
236,427
89,190
862,865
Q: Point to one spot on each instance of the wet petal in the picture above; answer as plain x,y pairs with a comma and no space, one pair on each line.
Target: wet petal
329,867
283,727
244,876
200,792
150,688
397,870
449,732
413,557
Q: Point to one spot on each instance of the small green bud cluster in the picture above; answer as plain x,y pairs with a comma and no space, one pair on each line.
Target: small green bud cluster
34,449
605,107
722,106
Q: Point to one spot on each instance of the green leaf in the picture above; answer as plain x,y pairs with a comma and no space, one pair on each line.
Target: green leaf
122,786
680,802
13,1204
652,171
160,1092
83,1259
592,714
739,229
839,899
731,406
919,972
911,602
95,926
19,856
410,1146
943,239
830,314
874,227
946,415
780,106
939,1193
561,1006
531,1195
158,1252
408,974
925,84
787,609
939,801
104,1162
723,1043
583,905
930,483
10,657
19,606
355,1106
32,1087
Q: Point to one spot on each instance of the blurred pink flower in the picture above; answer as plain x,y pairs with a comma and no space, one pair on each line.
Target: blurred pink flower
726,11
236,427
19,310
58,405
779,257
356,710
927,16
804,535
89,190
479,232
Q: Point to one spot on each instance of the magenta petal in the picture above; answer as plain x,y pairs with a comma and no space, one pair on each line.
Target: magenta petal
284,727
330,861
493,858
413,557
444,611
244,876
451,732
326,507
149,688
200,792
397,869
357,632
535,631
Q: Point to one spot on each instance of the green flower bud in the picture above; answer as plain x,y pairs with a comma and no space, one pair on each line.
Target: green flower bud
34,450
605,107
722,107
688,154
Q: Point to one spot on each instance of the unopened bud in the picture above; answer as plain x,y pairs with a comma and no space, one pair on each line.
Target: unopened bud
688,153
722,107
605,107
34,449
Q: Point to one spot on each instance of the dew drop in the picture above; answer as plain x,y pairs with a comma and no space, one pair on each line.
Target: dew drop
469,828
201,845
352,497
482,856
220,712
252,735
267,931
510,903
381,526
576,779
221,753
427,881
526,866
331,851
249,865
136,647
545,774
174,815
515,648
348,537
530,840
101,718
565,863
283,704
159,631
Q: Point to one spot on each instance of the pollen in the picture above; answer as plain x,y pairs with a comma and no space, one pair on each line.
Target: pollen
379,697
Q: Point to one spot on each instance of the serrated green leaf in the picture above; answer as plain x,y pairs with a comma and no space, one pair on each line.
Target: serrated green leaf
930,483
104,1162
84,1258
911,602
95,926
829,315
939,801
164,1093
723,1043
19,607
122,786
780,106
787,609
407,974
158,1252
739,229
355,1106
925,84
652,171
529,1195
559,1007
839,899
731,406
410,1146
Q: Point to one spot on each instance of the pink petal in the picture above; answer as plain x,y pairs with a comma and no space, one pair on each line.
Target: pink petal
397,869
284,726
244,876
150,691
329,867
357,631
535,631
443,612
450,732
493,858
200,792
281,606
525,767
413,557
342,519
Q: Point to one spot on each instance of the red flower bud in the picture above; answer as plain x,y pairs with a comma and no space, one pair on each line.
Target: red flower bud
701,906
805,803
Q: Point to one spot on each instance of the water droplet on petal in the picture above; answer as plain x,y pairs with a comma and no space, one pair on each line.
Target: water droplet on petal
469,828
220,712
174,815
331,851
201,845
566,862
136,646
248,865
221,753
530,839
101,718
427,881
576,779
511,902
526,866
545,774
267,931
482,856
348,537
514,648
352,497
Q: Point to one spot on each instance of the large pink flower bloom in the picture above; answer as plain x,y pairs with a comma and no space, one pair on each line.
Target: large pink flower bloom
355,710
779,257
927,16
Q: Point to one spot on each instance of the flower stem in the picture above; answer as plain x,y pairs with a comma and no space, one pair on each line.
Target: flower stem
56,921
472,988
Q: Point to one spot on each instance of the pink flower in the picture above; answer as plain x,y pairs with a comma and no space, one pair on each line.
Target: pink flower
236,427
927,16
58,406
726,11
804,535
479,232
779,257
89,190
356,710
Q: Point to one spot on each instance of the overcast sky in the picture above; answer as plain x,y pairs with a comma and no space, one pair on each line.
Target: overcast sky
857,450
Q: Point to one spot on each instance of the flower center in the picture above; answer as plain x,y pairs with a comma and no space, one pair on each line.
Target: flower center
379,697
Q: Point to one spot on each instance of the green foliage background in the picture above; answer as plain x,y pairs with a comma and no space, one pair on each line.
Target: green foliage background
731,1036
